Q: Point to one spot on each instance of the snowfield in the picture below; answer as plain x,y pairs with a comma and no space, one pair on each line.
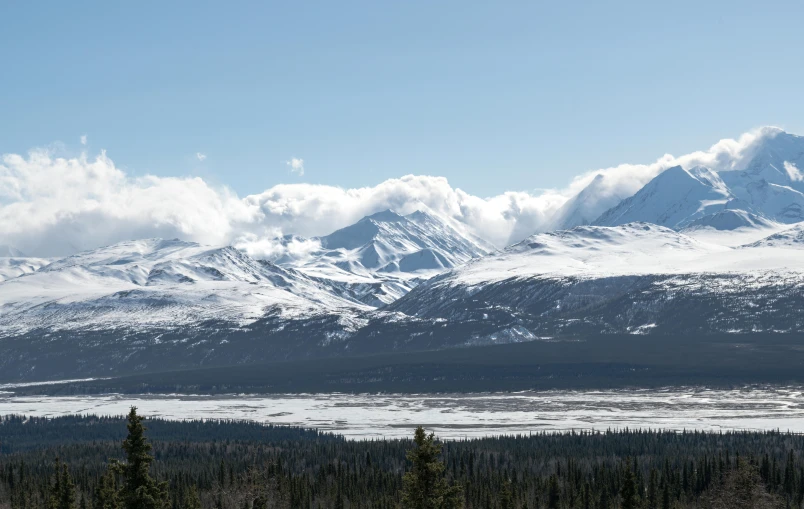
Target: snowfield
456,416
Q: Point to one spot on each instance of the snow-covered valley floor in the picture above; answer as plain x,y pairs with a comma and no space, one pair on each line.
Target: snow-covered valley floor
456,416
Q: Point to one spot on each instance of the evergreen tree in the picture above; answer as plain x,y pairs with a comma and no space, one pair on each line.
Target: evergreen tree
67,494
62,492
666,496
140,490
192,500
54,497
106,492
553,493
506,497
743,488
629,492
605,501
424,485
653,489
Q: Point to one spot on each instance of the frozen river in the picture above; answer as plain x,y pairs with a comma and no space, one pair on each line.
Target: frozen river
458,415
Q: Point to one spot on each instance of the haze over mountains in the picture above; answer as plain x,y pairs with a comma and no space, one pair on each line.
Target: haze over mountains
695,249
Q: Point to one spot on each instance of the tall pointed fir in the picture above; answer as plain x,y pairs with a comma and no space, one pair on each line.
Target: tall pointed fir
140,490
424,485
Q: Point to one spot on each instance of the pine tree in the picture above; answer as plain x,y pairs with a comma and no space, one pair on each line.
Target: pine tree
424,485
140,490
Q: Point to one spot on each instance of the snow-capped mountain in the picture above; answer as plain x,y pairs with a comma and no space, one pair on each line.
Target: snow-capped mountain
694,251
385,255
12,266
767,188
171,283
158,283
675,198
636,278
778,160
163,304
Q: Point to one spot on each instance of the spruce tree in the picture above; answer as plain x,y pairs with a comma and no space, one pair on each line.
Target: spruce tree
653,489
424,485
192,500
629,491
553,493
61,493
666,495
54,497
140,490
106,492
506,497
67,494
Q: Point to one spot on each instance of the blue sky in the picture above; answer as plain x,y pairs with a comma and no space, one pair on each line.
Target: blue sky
494,96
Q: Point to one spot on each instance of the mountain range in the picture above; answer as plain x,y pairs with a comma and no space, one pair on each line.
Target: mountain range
696,250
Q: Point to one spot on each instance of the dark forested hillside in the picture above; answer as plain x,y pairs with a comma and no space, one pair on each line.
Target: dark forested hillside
230,465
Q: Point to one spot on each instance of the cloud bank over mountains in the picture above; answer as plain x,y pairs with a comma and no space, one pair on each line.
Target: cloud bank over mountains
56,206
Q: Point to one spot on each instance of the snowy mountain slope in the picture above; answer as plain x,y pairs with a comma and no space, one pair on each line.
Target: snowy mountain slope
385,255
164,283
631,278
156,304
129,305
766,187
11,267
771,182
790,238
778,159
729,220
14,263
385,238
674,198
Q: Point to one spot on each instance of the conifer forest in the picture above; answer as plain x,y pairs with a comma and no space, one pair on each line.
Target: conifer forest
86,462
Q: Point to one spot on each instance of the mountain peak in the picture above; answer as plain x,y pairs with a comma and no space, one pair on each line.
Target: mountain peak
672,199
419,215
385,216
767,158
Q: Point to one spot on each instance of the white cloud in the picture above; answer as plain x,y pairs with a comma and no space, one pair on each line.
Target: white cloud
268,247
83,139
296,165
52,206
201,157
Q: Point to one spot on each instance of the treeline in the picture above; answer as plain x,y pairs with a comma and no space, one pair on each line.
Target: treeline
233,465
